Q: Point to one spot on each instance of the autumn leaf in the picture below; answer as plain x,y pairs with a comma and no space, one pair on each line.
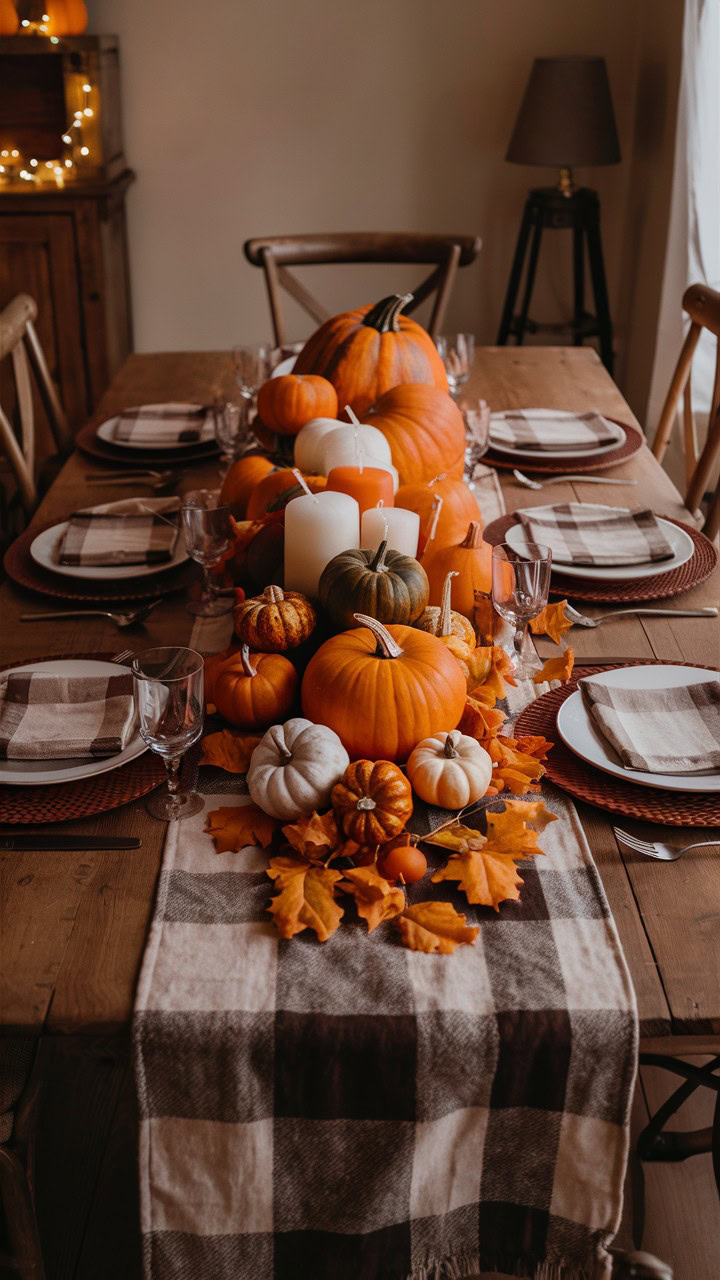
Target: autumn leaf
375,899
509,832
306,898
500,675
457,837
485,877
552,622
479,721
434,927
532,744
233,827
476,663
314,837
513,769
556,668
228,751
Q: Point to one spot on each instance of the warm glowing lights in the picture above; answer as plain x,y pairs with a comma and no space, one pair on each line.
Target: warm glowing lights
46,17
68,164
84,151
54,40
35,168
67,139
25,23
5,153
88,111
48,164
34,164
78,115
87,88
14,153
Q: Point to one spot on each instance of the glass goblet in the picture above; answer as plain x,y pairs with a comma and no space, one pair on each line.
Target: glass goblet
457,352
252,366
168,688
477,431
230,419
520,586
208,535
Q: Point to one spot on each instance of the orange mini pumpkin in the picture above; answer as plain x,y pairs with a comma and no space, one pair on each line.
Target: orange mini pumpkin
276,489
66,17
9,20
451,501
241,480
254,690
285,404
471,559
373,801
425,431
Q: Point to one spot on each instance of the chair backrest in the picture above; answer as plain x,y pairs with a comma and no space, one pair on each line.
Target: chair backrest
702,304
276,253
19,343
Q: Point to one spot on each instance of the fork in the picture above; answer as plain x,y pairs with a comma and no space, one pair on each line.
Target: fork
582,620
122,657
536,484
661,852
151,480
121,620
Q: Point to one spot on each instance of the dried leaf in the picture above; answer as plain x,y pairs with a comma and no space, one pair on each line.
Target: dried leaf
457,837
556,668
233,827
306,898
532,744
375,899
509,833
314,837
479,721
228,751
434,927
499,676
484,876
476,663
552,622
513,769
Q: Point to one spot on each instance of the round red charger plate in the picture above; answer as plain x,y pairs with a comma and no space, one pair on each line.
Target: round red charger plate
581,780
634,440
88,441
659,587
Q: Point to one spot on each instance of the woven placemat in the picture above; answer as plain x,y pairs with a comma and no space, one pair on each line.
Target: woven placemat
20,566
603,790
658,587
87,796
634,440
88,441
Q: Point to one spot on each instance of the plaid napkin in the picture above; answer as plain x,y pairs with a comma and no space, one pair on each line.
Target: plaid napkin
593,534
547,430
673,730
44,716
134,531
164,424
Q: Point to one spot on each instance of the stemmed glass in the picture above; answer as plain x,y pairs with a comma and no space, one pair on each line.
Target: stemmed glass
457,352
477,431
230,420
520,586
208,535
252,366
168,687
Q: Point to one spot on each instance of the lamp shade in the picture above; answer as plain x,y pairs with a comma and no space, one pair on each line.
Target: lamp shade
566,117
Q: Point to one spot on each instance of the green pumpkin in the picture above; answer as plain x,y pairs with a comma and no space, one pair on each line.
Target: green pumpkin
386,585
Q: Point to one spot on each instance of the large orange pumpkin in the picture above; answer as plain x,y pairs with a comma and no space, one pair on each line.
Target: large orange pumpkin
66,17
285,404
276,489
241,480
471,559
425,431
381,688
254,690
367,351
9,20
458,507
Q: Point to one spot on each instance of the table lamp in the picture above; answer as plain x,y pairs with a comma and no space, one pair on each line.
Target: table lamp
566,118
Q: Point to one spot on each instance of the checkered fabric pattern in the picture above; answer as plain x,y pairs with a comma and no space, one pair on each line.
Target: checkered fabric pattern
357,1110
134,531
164,424
593,534
53,717
674,730
547,431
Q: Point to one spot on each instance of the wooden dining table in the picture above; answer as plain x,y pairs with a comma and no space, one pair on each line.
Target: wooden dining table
74,925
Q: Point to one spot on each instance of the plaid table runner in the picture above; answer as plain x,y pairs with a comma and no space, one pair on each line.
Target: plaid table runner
134,531
53,717
593,534
674,730
357,1110
164,424
547,430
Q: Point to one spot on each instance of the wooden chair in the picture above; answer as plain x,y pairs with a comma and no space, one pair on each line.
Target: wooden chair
702,304
276,253
19,342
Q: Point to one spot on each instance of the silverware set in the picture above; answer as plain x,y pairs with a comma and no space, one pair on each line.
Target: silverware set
155,480
121,620
563,479
655,848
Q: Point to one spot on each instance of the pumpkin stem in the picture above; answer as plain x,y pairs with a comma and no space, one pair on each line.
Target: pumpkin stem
365,803
273,595
449,748
377,564
436,479
247,665
386,646
384,315
445,624
473,537
276,736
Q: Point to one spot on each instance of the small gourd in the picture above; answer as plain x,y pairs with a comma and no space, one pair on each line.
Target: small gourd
442,621
294,768
372,801
253,690
449,770
387,585
275,621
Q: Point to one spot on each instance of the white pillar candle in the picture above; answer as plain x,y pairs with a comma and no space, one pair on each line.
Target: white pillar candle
317,528
346,444
403,529
308,444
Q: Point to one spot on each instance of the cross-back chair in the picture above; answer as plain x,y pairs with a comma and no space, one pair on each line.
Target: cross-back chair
19,345
274,254
702,304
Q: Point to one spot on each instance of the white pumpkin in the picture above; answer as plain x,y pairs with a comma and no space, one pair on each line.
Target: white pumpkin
308,443
294,768
449,770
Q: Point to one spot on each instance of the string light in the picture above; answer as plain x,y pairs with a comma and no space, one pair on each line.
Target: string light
32,169
34,164
84,151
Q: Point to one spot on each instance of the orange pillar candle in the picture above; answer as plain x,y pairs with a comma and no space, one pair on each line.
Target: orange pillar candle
368,485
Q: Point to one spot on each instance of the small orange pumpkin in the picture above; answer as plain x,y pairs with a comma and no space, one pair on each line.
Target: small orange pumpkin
241,480
471,559
373,801
213,666
401,859
275,621
66,17
254,690
9,20
445,507
276,489
425,431
285,404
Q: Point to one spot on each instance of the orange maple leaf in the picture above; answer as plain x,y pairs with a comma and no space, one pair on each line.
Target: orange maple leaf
534,745
306,898
556,668
233,827
499,676
228,751
434,927
513,769
476,663
479,721
485,877
552,621
375,899
314,837
510,833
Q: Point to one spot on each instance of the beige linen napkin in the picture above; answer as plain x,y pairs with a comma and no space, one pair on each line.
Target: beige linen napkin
547,430
592,534
133,531
673,730
45,716
164,424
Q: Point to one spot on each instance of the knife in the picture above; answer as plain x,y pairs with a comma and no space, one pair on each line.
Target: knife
63,843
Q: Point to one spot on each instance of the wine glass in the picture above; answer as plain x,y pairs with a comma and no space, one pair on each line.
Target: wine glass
168,688
230,420
252,366
520,585
208,535
477,431
457,352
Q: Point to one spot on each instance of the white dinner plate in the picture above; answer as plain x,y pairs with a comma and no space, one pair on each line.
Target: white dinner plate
580,733
682,544
44,551
33,773
207,436
548,455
